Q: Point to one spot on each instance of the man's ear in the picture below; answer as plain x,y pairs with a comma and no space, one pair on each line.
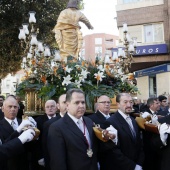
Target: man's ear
58,106
2,108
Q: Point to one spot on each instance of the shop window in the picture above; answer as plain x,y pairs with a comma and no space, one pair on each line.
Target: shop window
8,82
152,86
153,33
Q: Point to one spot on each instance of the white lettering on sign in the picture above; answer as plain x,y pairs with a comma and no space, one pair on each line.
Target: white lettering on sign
150,51
144,51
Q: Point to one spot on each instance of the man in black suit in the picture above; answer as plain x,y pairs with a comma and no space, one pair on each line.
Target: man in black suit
153,105
11,127
161,143
50,112
99,118
1,104
61,105
128,153
71,140
103,111
150,155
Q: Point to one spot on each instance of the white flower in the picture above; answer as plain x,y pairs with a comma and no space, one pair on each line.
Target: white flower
101,68
99,76
66,80
84,74
81,78
68,70
78,83
124,77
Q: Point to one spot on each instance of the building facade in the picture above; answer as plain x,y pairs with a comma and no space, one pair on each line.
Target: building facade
98,44
149,21
10,82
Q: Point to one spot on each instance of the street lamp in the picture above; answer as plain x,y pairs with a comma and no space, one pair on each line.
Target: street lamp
126,53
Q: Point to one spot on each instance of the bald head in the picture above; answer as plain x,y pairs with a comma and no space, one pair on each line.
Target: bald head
50,107
61,105
10,108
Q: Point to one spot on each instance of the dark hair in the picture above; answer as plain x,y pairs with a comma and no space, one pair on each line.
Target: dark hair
70,92
151,100
118,97
2,97
161,97
72,4
11,95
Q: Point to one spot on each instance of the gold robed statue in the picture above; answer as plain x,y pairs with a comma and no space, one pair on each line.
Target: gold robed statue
67,30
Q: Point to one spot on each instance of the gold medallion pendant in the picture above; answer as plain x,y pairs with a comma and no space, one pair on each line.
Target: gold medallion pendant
89,152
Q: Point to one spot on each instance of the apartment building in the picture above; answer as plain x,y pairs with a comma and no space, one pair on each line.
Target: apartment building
149,21
98,44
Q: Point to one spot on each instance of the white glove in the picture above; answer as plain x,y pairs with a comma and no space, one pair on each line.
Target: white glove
168,130
41,162
32,121
154,119
23,124
163,132
112,130
145,115
27,136
138,167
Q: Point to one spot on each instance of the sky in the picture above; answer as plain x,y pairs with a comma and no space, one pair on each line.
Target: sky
101,14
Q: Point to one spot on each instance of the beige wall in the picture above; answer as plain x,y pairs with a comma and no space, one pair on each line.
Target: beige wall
139,4
143,85
163,83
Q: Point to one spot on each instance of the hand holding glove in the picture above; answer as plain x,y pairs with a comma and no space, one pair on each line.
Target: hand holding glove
41,162
111,130
163,129
112,134
138,167
23,124
32,121
155,120
145,115
27,136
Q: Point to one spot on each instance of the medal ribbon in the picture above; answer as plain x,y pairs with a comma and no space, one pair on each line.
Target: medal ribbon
84,133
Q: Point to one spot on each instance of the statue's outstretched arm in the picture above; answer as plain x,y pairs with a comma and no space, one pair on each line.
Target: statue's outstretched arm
85,21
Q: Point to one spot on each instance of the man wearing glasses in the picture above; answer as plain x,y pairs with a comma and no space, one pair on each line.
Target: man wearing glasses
103,111
102,114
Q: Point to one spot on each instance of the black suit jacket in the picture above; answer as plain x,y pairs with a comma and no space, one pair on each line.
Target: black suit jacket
7,133
10,149
40,122
68,147
128,152
150,154
44,140
1,114
98,118
163,151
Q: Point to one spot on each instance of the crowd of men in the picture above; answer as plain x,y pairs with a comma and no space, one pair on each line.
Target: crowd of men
67,140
